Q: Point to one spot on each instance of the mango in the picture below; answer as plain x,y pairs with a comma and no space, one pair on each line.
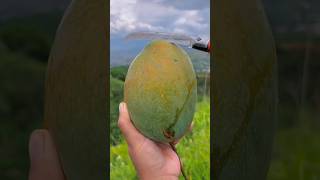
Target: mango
244,91
160,90
76,97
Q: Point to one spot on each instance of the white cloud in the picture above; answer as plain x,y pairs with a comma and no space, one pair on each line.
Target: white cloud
191,19
157,15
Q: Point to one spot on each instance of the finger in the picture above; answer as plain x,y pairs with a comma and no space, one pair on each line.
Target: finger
131,134
44,158
190,127
188,130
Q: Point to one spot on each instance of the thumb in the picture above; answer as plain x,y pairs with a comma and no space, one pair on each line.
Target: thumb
44,158
131,134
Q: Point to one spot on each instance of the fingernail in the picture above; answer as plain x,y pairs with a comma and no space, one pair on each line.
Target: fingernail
36,146
121,107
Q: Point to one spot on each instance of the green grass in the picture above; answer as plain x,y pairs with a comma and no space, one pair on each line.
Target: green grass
296,155
194,150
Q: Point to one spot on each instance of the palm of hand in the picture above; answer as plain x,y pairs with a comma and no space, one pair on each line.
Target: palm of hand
154,158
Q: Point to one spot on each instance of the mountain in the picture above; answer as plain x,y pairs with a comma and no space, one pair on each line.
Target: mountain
125,55
122,52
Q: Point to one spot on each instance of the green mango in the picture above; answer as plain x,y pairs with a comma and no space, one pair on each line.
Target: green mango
161,91
244,90
76,96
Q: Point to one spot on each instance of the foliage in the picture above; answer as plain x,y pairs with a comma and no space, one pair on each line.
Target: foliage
116,96
203,85
24,48
21,110
33,43
119,72
32,35
121,166
296,155
193,149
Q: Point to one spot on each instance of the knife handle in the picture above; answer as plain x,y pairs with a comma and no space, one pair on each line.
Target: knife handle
209,46
202,47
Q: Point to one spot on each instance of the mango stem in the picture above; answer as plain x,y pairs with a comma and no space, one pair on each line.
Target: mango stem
181,167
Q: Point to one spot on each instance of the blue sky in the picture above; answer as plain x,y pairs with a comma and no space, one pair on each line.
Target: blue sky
189,17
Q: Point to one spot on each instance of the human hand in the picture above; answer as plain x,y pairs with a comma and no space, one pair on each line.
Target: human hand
44,157
152,160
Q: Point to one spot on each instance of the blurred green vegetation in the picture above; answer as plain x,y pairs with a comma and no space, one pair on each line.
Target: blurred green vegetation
24,50
296,155
31,36
297,140
21,108
193,149
116,96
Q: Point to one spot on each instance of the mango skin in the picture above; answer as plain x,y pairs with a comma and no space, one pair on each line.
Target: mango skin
76,109
161,91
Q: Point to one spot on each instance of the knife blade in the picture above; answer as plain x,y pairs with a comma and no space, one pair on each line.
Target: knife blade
180,39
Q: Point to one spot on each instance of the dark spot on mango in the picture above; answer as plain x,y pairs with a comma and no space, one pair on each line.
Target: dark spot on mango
169,134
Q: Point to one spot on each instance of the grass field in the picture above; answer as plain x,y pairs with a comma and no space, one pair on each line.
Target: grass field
296,155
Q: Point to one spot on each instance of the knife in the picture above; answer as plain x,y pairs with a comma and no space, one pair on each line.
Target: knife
180,39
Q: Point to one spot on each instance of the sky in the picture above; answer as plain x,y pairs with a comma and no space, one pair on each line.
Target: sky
190,17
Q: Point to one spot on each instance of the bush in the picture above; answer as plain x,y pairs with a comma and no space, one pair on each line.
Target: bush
296,155
119,72
116,96
21,110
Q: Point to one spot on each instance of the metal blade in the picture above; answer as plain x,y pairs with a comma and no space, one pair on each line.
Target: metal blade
180,39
